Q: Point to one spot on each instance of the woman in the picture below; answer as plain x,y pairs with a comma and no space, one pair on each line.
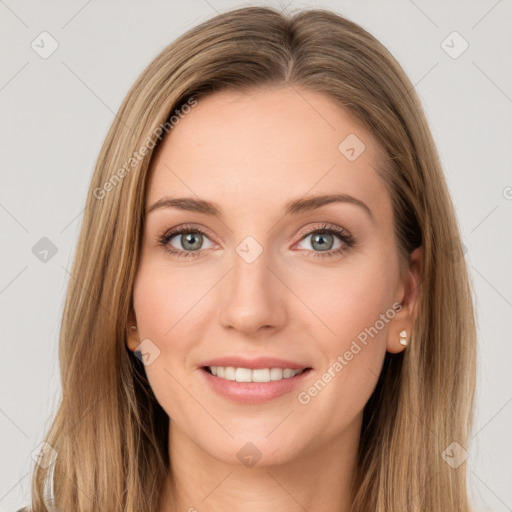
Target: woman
269,308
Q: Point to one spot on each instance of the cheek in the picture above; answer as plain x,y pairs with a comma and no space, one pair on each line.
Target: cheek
164,301
356,305
352,299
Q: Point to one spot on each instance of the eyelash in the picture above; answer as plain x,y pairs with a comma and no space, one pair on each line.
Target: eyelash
331,229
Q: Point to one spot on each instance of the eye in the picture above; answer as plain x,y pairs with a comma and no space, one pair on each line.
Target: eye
328,240
184,241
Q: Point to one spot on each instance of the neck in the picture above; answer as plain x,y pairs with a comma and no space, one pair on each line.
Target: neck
314,480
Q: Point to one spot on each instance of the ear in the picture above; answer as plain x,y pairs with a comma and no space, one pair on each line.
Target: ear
132,334
408,297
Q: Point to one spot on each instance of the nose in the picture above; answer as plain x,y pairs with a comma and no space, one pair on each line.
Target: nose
253,297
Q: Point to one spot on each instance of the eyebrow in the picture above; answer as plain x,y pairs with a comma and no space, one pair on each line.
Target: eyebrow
293,207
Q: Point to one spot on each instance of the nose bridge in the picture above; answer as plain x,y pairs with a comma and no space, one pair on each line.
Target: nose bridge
251,267
251,295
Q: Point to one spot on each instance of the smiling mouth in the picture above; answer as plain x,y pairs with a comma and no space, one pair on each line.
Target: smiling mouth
253,375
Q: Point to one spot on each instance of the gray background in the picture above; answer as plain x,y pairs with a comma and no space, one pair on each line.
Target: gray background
55,114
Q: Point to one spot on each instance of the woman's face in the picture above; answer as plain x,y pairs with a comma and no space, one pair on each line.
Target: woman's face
265,285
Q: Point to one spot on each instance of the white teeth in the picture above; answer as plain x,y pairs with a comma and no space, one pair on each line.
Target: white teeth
256,375
229,374
276,374
261,375
243,375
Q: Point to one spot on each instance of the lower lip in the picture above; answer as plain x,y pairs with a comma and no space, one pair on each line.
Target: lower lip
253,392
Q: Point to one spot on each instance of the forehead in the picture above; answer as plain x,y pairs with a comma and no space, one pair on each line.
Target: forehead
264,147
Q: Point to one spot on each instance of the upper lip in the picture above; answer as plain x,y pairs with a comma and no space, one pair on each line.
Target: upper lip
258,362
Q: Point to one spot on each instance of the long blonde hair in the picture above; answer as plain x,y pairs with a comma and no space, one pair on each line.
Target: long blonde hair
110,434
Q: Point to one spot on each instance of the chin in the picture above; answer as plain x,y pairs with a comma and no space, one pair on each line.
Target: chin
254,449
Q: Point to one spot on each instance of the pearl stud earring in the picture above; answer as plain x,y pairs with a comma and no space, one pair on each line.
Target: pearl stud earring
403,338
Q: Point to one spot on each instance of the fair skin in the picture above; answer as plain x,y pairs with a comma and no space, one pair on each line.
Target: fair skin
250,154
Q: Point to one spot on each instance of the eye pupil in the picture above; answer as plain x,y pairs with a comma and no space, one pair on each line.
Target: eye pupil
320,238
189,238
